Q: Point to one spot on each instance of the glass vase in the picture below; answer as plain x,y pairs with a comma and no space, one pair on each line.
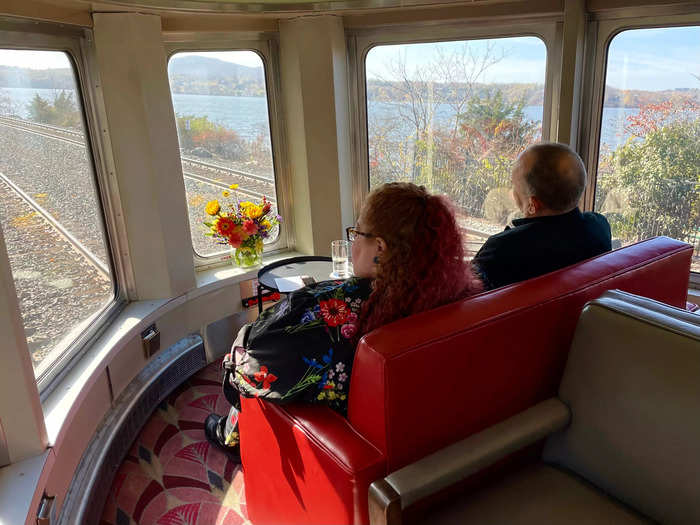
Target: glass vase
246,257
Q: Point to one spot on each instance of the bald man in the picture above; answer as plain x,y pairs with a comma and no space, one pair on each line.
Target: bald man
548,182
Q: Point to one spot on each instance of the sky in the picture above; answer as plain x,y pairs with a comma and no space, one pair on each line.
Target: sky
522,59
649,59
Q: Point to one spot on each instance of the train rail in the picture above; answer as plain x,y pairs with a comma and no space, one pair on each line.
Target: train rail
56,225
205,173
259,182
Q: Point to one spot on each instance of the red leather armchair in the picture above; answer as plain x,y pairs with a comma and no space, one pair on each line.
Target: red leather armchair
424,382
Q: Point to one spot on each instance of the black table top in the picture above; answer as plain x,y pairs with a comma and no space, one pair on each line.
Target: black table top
319,268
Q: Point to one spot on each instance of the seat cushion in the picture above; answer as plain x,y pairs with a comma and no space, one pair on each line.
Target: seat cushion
535,495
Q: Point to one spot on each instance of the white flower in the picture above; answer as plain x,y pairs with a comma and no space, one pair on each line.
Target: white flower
331,373
342,377
340,367
348,299
339,386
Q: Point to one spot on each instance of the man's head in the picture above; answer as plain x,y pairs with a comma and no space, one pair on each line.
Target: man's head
548,179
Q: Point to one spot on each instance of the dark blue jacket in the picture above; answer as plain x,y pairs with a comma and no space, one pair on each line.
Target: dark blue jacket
541,245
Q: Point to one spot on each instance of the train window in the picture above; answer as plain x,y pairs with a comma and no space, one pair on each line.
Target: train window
648,180
221,107
453,116
50,212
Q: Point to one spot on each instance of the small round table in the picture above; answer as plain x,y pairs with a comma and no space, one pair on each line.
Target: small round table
317,266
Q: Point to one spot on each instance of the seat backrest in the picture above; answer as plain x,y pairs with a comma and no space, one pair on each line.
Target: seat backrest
632,382
427,381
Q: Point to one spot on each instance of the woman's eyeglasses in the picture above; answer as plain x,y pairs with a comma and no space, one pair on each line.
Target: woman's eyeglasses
353,233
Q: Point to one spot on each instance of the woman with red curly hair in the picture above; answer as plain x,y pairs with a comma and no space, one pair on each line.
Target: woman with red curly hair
408,242
407,257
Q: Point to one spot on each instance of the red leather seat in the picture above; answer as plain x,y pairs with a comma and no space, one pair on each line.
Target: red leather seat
424,382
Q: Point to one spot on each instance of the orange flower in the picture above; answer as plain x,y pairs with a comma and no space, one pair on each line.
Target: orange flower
237,236
224,226
235,239
250,227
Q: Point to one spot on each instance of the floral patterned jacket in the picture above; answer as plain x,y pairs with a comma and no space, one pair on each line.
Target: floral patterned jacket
302,348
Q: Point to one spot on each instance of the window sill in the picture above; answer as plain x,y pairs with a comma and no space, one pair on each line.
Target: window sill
18,483
211,279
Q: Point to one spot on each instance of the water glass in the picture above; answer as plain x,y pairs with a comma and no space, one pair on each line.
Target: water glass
339,253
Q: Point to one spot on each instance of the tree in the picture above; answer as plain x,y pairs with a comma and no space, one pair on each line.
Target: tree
67,114
448,80
200,132
62,112
655,175
7,107
40,110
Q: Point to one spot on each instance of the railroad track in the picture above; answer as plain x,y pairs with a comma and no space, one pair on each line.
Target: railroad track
226,186
76,138
90,257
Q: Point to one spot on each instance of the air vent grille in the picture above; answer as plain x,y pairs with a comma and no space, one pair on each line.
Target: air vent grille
110,444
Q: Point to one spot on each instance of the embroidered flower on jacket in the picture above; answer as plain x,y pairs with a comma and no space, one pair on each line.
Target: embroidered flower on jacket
340,367
312,363
307,317
342,377
348,330
334,311
266,377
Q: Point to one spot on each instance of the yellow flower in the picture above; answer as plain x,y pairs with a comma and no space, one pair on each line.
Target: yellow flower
232,439
212,207
321,396
266,225
331,395
225,193
254,211
343,397
246,204
259,245
233,186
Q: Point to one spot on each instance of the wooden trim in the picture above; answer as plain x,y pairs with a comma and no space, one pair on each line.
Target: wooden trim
384,504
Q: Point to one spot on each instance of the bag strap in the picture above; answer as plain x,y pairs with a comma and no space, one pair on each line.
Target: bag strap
230,392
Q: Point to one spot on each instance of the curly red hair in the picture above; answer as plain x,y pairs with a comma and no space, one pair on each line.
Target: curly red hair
424,265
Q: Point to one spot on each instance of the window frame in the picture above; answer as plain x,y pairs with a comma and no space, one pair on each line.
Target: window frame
76,43
362,41
603,29
266,46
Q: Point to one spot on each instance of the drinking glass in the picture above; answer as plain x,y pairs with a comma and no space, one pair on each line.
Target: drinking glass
339,253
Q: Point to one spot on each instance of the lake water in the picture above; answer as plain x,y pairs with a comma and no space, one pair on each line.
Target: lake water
248,115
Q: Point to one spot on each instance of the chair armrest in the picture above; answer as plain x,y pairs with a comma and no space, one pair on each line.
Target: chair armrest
442,469
305,464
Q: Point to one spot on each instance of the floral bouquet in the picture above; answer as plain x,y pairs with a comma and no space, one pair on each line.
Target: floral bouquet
242,225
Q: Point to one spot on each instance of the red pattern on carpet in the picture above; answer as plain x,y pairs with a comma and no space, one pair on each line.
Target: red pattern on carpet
172,475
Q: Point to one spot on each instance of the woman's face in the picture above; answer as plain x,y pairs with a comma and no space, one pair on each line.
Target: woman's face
364,250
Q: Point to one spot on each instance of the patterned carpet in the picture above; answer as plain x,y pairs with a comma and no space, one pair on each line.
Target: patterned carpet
171,475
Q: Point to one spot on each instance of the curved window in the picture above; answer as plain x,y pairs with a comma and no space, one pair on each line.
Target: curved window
648,180
221,107
453,116
50,211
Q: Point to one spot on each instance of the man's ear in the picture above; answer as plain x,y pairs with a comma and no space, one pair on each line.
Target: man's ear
534,205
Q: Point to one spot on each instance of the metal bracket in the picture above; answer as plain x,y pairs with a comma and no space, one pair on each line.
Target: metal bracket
150,338
47,512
